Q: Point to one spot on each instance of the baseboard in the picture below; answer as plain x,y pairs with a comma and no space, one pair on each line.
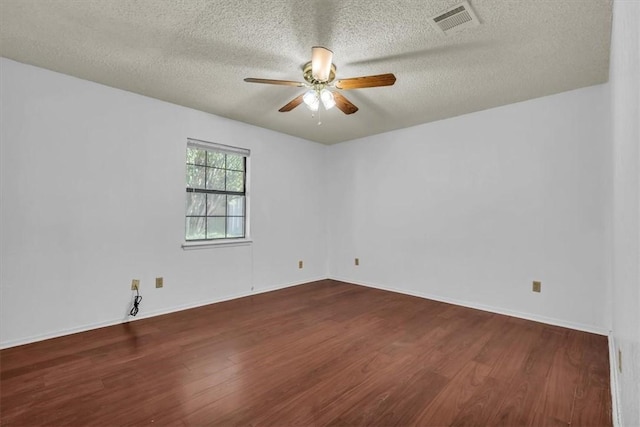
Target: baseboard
615,397
146,315
491,309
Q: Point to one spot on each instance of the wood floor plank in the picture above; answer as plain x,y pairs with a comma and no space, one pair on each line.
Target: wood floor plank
479,408
507,361
301,370
562,380
525,390
304,407
592,405
454,397
323,353
393,401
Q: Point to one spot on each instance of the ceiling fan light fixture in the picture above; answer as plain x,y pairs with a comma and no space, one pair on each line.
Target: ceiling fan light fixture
311,100
319,73
327,99
321,58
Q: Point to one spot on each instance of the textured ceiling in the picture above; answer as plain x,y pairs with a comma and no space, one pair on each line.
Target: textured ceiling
196,53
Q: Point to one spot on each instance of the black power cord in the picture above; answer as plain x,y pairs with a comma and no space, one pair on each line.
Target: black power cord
136,303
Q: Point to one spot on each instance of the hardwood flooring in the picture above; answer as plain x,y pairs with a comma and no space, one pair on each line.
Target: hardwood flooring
324,353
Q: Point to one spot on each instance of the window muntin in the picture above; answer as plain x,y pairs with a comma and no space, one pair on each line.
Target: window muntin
216,192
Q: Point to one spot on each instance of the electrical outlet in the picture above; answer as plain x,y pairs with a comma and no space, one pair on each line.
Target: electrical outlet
537,286
357,261
300,264
159,282
620,360
135,284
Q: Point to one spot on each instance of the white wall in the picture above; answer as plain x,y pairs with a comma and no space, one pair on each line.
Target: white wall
92,184
472,209
625,109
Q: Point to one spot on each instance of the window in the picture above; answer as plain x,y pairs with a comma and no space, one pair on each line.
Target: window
216,200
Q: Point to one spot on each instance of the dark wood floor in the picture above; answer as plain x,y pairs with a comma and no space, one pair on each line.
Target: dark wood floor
325,353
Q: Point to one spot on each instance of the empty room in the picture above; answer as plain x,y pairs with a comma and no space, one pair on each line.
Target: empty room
320,212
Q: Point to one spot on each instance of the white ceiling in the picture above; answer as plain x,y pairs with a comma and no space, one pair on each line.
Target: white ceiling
196,53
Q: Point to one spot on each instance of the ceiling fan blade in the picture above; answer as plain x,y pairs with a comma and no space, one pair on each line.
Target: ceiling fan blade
366,81
275,82
344,104
321,58
292,104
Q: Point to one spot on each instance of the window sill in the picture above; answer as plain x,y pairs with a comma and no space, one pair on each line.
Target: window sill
187,246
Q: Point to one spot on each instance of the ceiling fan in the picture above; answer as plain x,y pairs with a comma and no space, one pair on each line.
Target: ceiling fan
319,74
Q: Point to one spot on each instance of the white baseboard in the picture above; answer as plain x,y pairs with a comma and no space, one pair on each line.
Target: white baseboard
146,315
491,309
615,390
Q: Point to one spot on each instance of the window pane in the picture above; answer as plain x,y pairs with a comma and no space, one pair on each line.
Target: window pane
235,205
235,181
216,204
196,203
195,176
195,228
235,162
209,215
196,156
235,226
215,159
215,228
215,179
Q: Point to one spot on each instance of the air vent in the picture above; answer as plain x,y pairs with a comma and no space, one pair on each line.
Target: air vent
455,19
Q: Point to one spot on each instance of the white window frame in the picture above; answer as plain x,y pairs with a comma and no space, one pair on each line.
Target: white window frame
212,243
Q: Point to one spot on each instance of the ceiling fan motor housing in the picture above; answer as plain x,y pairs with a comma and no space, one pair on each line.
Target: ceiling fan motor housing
308,74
